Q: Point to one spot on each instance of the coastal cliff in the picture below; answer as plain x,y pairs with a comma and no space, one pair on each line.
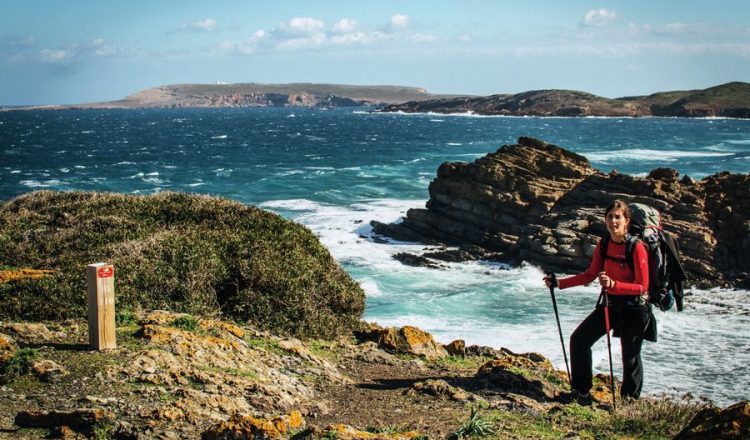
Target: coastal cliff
239,95
727,100
540,203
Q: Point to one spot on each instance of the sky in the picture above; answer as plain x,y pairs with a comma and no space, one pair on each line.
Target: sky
77,51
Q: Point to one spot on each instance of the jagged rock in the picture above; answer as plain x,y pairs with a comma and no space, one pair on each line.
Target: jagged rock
248,427
410,340
456,348
416,260
235,377
526,374
48,371
481,351
439,387
714,423
31,333
81,420
370,352
539,203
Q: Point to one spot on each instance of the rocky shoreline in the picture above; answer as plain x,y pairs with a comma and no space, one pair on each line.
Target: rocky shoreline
539,203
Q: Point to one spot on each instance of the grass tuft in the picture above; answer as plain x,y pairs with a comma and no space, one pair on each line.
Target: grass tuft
474,426
18,365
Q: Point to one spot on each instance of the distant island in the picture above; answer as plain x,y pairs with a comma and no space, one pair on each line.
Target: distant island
726,100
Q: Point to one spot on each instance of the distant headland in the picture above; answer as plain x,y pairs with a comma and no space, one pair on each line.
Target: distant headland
726,100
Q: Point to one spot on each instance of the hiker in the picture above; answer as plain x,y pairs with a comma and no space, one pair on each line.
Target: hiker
629,312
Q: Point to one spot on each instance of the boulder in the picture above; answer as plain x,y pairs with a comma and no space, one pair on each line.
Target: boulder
248,427
715,423
539,203
48,371
456,348
31,333
411,340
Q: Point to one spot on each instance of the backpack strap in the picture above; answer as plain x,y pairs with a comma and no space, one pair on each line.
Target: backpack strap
630,240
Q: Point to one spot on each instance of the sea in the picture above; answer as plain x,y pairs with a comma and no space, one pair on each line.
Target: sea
336,170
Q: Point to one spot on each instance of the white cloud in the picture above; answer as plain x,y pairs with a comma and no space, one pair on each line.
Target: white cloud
345,26
399,21
206,25
598,17
55,55
246,46
301,26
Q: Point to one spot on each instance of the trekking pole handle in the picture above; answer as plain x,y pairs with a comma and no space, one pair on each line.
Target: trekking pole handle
552,278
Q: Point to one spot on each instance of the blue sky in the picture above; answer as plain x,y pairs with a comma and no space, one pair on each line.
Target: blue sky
75,51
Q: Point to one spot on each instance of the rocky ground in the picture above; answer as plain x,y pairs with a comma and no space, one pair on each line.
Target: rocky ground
177,376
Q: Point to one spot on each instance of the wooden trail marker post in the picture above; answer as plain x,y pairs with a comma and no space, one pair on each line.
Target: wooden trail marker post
100,278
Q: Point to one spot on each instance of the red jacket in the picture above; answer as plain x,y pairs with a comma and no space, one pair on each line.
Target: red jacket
626,282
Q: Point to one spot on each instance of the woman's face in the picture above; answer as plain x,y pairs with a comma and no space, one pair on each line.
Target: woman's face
617,223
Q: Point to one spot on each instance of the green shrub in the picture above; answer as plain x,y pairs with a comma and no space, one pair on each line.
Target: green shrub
186,253
185,322
18,365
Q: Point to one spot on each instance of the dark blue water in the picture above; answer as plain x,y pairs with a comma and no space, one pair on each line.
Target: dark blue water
336,170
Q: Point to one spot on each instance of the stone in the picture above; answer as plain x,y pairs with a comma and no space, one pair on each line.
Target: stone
248,427
732,422
441,388
411,340
48,371
31,333
456,348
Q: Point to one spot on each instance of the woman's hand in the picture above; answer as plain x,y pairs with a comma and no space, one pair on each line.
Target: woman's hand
550,282
605,281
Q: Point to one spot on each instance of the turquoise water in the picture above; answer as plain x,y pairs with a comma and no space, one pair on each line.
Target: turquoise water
336,170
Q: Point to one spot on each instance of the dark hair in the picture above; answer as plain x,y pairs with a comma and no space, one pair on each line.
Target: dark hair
618,204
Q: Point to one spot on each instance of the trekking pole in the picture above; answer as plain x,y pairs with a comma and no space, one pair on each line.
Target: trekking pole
609,347
553,280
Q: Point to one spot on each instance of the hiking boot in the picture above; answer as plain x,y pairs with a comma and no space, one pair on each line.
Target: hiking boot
583,399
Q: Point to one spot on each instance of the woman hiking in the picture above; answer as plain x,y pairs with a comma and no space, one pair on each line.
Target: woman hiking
629,312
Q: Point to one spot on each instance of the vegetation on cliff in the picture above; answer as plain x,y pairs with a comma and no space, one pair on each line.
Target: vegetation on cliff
181,252
726,100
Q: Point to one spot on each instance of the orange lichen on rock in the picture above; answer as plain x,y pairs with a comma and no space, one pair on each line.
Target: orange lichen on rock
23,274
410,340
249,427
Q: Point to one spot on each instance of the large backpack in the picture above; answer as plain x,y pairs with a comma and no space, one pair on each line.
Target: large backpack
665,270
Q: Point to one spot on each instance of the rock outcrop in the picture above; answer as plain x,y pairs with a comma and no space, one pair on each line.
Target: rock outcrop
539,203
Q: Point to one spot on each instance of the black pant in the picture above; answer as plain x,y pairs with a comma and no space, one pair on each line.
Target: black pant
629,322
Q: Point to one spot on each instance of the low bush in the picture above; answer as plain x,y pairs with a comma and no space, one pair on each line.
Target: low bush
187,253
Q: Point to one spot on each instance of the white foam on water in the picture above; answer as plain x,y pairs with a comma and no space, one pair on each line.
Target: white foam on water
221,136
739,141
648,154
703,350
